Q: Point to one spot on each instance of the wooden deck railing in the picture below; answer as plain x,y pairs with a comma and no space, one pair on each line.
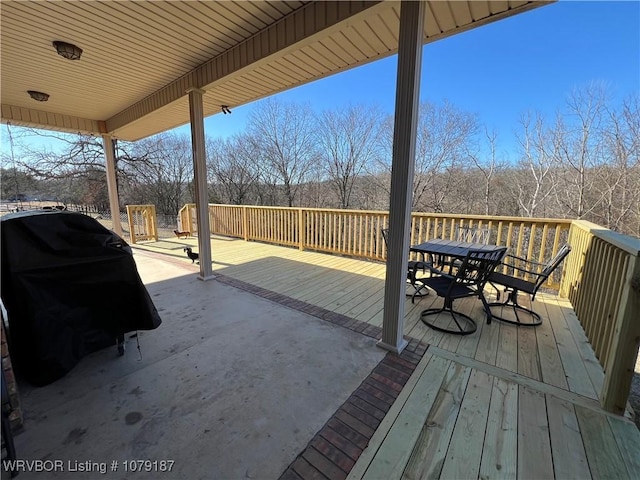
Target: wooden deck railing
143,224
601,276
602,281
357,233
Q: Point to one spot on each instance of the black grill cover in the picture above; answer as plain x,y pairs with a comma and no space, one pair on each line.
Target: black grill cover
70,287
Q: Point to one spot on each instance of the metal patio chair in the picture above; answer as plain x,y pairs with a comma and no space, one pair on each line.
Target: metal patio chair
469,281
414,267
526,276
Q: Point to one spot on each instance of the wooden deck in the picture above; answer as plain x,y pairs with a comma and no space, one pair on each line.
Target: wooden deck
504,402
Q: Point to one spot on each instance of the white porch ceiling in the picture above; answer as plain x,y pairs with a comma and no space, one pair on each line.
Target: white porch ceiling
141,57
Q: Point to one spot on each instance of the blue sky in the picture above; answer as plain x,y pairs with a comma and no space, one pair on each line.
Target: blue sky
529,62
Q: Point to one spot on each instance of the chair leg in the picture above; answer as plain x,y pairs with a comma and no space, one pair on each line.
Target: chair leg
487,309
465,325
518,311
419,289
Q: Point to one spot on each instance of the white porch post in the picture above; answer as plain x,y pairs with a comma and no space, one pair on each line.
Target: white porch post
112,183
402,167
200,180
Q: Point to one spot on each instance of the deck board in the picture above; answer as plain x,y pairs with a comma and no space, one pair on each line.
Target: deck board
499,458
341,292
392,457
465,450
487,348
338,281
528,355
551,367
468,345
504,402
605,459
371,450
591,363
575,370
534,446
628,441
507,354
569,458
428,453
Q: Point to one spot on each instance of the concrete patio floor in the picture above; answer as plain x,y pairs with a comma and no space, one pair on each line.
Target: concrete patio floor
230,386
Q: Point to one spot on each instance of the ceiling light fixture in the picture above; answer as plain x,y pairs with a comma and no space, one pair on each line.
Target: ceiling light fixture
38,96
67,50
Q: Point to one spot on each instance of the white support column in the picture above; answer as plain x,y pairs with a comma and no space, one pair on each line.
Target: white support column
200,180
112,183
402,167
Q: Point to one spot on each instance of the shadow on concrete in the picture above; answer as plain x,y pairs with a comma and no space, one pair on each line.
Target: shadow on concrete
229,386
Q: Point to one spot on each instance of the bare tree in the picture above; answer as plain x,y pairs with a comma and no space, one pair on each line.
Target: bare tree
82,153
445,134
532,183
619,180
81,162
378,173
165,179
578,142
233,167
284,135
487,165
317,195
16,183
347,144
443,139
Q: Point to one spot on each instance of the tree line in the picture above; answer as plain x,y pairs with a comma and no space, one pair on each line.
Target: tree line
584,163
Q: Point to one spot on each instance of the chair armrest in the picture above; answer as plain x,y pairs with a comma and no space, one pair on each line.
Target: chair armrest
425,266
523,259
514,264
521,264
